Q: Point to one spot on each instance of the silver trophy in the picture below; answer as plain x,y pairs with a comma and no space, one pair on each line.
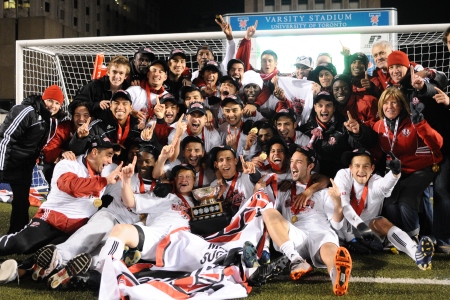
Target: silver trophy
210,206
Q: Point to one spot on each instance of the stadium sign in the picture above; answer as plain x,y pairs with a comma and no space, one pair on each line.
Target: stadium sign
315,19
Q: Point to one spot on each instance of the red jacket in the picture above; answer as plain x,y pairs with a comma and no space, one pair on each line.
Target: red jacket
58,143
416,145
383,78
363,107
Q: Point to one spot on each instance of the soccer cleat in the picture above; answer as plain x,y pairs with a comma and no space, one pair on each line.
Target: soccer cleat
424,253
89,280
343,265
249,255
131,257
8,271
265,258
355,246
78,265
299,267
47,259
266,272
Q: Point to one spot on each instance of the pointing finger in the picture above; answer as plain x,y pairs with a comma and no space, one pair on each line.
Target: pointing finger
242,160
181,118
256,24
349,115
439,91
157,100
134,160
412,71
366,75
332,182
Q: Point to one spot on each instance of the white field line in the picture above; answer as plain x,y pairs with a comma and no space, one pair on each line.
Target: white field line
384,280
400,280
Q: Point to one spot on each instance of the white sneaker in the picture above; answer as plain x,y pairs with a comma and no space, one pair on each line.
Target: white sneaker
8,271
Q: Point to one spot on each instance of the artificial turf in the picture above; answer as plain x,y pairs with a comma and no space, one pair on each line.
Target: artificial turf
316,285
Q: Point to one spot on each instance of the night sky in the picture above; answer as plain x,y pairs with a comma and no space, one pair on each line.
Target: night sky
198,16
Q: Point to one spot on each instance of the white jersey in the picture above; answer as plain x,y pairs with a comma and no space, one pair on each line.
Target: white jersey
69,205
221,118
169,212
210,138
300,138
139,98
268,108
317,214
229,54
123,214
242,190
300,93
378,189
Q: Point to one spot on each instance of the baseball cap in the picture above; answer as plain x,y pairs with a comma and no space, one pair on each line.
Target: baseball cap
233,61
188,89
103,142
252,77
285,112
308,152
276,139
180,167
323,95
229,78
347,79
123,94
304,60
150,148
214,151
232,98
196,106
347,156
179,52
211,65
146,50
191,139
168,97
160,62
325,66
205,47
359,56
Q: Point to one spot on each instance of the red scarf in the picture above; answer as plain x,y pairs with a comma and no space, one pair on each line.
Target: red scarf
149,90
295,211
122,136
267,77
359,204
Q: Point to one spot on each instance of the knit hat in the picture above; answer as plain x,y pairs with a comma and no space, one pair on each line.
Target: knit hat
252,77
398,58
359,56
53,92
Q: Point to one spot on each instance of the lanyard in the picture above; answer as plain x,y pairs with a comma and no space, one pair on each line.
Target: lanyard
386,133
189,132
295,211
233,183
186,204
121,137
142,186
359,204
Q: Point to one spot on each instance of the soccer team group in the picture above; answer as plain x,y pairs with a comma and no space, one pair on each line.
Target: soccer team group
308,168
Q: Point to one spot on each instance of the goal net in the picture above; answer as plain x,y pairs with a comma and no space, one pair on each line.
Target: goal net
69,62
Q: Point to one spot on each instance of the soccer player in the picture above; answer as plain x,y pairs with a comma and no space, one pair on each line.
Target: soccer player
285,122
139,65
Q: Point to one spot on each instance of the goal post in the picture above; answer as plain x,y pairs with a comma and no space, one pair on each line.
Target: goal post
68,62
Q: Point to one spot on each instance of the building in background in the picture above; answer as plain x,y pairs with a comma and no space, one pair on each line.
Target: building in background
42,19
293,5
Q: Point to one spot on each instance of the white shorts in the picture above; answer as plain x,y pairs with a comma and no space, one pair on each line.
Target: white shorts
153,236
308,243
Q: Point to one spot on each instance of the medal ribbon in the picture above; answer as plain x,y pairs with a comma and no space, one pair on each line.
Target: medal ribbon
295,211
233,183
359,204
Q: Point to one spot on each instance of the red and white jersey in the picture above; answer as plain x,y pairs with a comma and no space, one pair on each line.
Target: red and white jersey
210,138
75,197
170,212
139,98
123,214
317,214
301,138
378,189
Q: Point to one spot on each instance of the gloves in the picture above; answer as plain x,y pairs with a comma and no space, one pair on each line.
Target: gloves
365,232
395,165
416,110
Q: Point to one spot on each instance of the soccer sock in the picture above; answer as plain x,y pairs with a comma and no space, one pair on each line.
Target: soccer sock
288,249
402,241
333,274
113,247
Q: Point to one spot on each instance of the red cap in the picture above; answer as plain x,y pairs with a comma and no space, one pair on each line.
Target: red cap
53,92
398,58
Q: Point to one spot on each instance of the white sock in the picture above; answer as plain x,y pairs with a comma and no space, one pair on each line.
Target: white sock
113,247
402,241
333,274
288,249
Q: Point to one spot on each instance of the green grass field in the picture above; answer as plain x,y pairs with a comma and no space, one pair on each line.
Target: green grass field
373,277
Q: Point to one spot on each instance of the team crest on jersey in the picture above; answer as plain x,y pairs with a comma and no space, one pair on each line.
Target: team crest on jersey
332,140
406,132
182,209
236,198
309,206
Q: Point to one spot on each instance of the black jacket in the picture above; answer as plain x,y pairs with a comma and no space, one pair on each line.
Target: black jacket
23,133
336,140
96,91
